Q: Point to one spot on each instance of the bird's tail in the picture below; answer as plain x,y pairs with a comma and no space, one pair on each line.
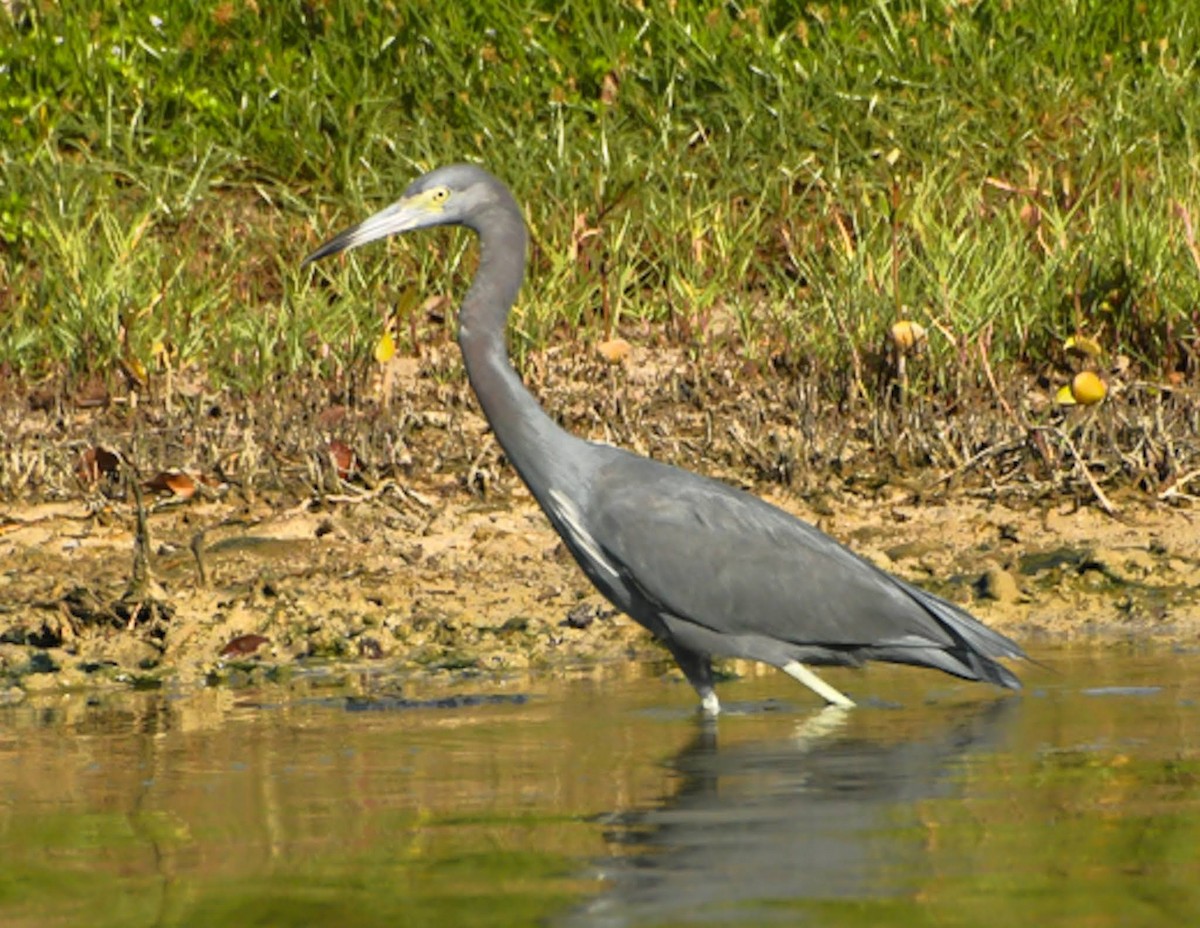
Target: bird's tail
957,661
978,645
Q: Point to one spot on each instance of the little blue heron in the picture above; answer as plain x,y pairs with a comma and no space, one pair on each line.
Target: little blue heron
709,569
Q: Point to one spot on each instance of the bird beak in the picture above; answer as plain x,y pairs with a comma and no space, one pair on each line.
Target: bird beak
402,216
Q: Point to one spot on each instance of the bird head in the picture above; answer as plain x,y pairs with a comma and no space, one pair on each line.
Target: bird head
454,195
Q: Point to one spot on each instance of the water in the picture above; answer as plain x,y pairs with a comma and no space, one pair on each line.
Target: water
592,802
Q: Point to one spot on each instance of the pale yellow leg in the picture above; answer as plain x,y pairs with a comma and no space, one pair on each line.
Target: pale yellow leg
798,671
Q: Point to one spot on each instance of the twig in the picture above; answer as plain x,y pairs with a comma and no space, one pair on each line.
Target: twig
989,452
982,344
197,547
1103,500
142,575
144,596
1175,491
1189,233
363,496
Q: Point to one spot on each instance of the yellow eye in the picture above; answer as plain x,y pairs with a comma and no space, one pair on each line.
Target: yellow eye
440,195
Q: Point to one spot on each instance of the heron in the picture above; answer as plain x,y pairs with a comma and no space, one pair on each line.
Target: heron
709,569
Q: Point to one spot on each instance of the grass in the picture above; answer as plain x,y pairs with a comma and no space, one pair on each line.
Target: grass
775,183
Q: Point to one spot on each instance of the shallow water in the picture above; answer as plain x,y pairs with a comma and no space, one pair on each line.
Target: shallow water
607,802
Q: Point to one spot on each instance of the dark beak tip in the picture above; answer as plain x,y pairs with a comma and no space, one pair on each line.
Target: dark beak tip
331,247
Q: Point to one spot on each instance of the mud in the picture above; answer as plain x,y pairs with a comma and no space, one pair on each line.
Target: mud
375,523
417,583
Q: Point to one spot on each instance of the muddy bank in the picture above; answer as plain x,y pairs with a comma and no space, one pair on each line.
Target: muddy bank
374,521
421,583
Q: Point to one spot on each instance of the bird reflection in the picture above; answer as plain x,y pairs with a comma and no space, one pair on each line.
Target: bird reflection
826,814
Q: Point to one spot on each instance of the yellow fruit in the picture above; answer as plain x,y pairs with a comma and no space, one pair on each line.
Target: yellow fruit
614,351
907,336
1087,388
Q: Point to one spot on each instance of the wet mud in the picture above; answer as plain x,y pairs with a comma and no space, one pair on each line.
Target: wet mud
423,584
198,537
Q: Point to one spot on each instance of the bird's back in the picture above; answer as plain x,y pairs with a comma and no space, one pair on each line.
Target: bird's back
733,570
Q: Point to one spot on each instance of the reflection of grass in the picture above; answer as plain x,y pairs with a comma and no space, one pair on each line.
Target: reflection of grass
772,183
470,875
509,888
486,888
57,878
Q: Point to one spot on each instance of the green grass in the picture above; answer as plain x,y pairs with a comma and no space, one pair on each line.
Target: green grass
1005,172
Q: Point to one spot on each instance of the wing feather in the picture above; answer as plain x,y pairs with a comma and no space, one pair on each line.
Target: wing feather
726,560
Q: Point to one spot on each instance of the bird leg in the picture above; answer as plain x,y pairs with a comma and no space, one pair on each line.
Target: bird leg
698,670
798,671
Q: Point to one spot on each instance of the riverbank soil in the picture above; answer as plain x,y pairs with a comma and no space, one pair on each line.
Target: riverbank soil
212,539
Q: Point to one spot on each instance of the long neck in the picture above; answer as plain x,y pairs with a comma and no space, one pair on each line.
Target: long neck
537,447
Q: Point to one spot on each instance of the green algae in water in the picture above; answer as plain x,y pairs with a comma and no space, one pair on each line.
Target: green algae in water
542,801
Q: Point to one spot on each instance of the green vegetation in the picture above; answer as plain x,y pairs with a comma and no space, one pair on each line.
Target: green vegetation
773,180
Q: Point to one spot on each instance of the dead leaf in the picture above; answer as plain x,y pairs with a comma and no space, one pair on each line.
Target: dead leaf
1064,397
331,416
609,85
96,462
175,482
614,351
243,645
433,308
343,457
1083,346
91,393
134,371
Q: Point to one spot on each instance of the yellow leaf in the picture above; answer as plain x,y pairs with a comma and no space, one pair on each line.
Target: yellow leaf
135,370
385,348
1064,396
1083,345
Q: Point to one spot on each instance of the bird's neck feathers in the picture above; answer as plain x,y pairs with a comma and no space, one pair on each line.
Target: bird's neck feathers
535,444
502,238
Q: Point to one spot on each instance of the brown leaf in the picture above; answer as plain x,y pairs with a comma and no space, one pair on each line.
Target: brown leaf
96,462
343,458
92,392
243,645
172,481
609,85
331,416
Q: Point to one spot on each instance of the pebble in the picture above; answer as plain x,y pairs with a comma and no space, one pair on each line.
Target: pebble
999,585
